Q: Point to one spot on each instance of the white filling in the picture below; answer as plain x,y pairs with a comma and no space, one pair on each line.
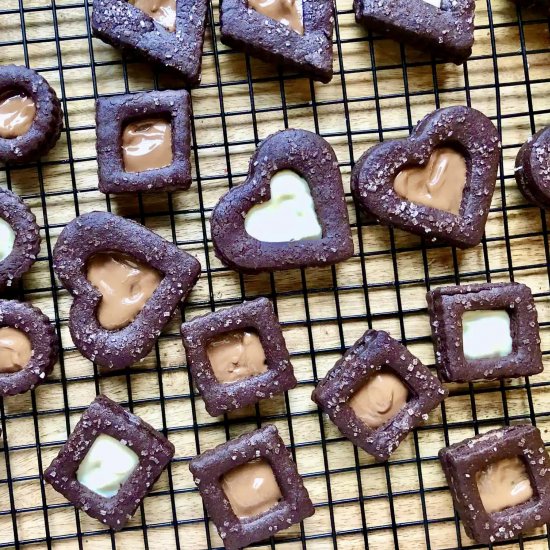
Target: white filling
486,333
7,238
436,3
106,466
288,216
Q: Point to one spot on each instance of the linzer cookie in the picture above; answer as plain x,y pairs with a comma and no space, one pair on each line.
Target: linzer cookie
439,182
533,169
290,212
444,28
238,356
30,115
144,142
377,393
499,482
292,33
484,331
19,238
28,347
109,463
126,282
164,32
251,488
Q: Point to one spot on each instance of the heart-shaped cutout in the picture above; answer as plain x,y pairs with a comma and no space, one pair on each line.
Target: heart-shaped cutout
465,131
533,169
100,235
310,156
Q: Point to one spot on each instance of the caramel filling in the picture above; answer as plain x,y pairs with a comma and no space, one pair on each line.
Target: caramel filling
125,285
440,184
147,145
17,112
380,399
15,350
287,12
251,488
162,11
236,355
503,484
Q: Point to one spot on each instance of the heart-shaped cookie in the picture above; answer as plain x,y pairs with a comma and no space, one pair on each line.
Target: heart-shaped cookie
533,169
102,254
311,157
450,134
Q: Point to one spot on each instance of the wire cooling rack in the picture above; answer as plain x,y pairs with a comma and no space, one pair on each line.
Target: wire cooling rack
379,91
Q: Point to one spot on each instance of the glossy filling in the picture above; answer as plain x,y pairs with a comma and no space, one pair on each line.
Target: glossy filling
106,466
288,216
147,145
125,285
236,356
380,399
440,184
504,484
17,112
162,11
486,334
287,12
15,350
7,239
251,488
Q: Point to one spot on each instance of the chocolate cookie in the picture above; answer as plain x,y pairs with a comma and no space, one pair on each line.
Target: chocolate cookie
144,142
499,482
168,33
126,282
28,347
238,356
31,116
439,182
377,393
484,331
292,33
290,212
445,28
109,463
243,510
533,169
19,238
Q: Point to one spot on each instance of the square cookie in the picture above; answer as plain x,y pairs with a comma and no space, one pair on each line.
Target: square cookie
499,482
238,356
484,331
144,142
242,514
109,463
377,393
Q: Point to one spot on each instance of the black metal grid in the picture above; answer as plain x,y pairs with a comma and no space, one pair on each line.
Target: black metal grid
331,534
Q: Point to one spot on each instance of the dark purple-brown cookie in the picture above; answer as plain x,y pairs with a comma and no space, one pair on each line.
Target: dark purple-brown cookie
283,33
243,510
377,393
446,30
484,331
31,119
126,282
309,157
109,463
533,169
499,482
144,142
28,347
172,37
439,182
19,238
238,356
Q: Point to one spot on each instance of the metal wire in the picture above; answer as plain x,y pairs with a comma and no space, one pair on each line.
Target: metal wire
333,534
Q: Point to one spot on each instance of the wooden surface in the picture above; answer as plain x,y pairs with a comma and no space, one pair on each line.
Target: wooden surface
404,503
